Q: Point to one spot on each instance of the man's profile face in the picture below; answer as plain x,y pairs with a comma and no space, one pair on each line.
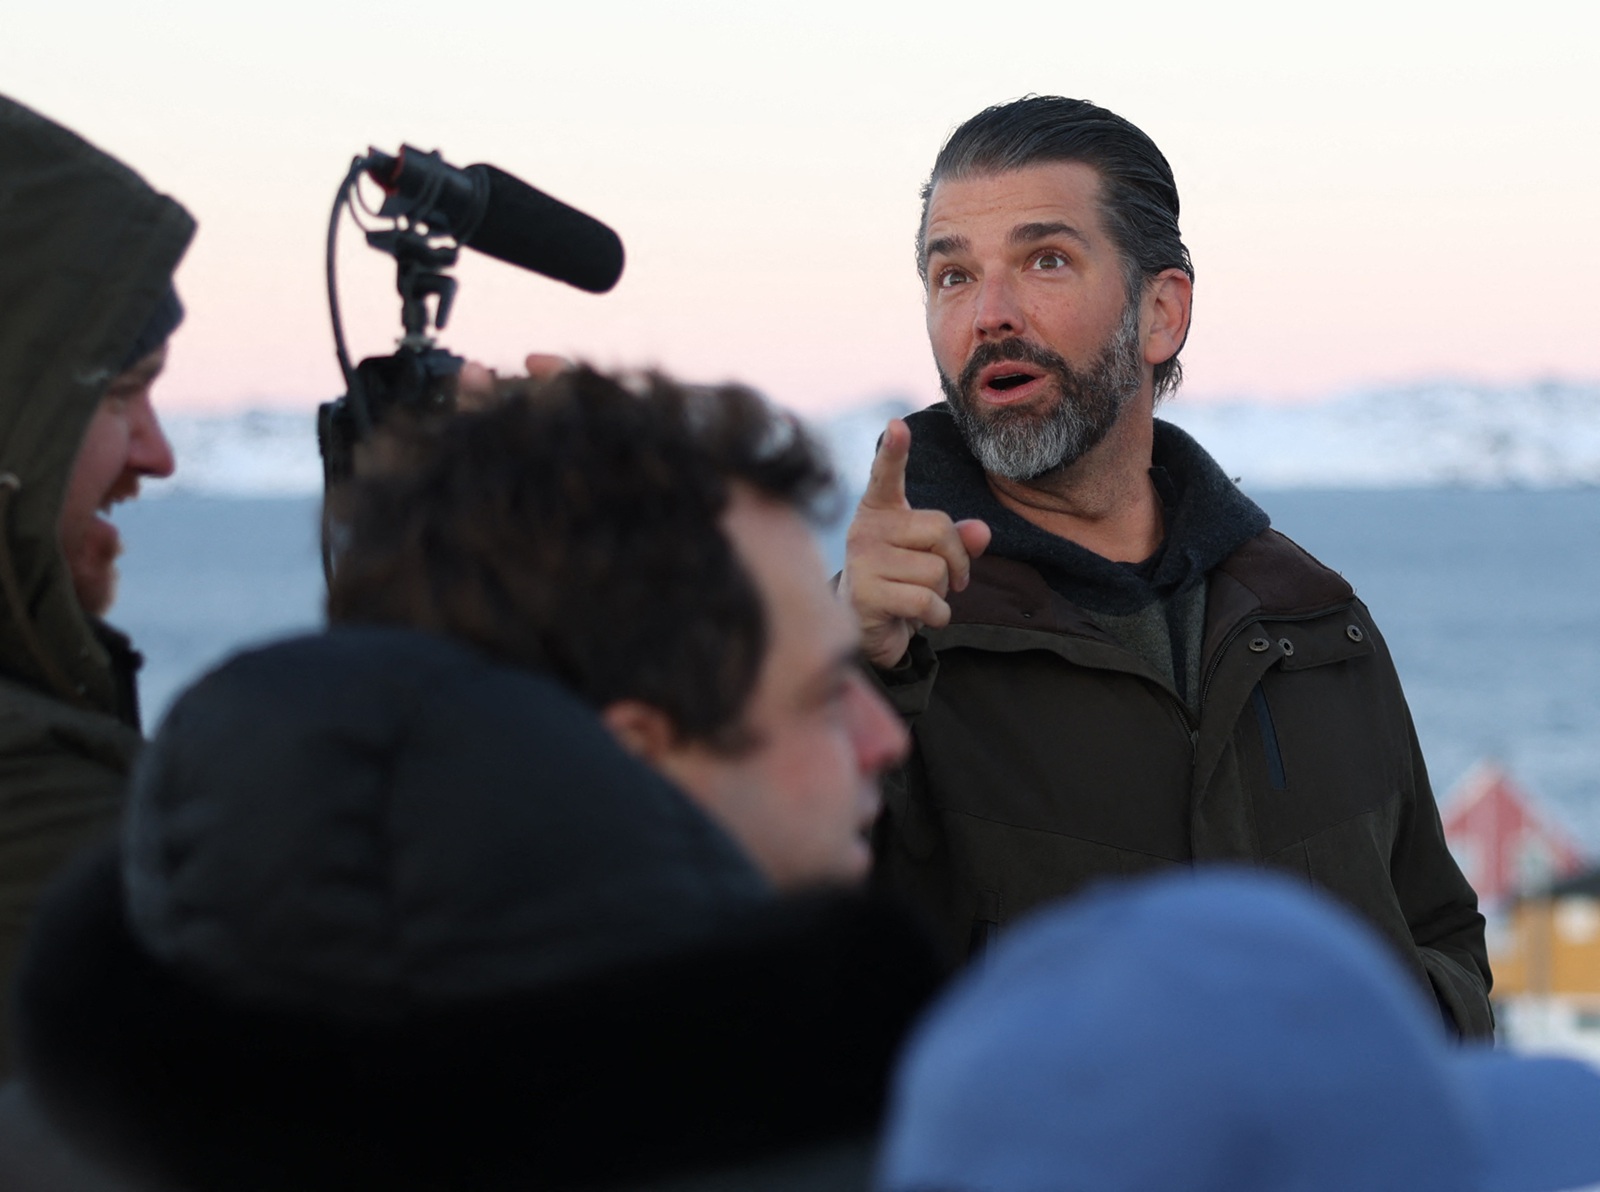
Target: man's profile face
123,442
1038,350
801,798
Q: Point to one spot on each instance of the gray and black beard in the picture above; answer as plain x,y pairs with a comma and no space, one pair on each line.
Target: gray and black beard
1025,442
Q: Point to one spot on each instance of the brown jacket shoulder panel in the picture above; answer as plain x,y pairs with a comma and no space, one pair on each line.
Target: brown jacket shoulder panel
1008,592
1284,578
1009,607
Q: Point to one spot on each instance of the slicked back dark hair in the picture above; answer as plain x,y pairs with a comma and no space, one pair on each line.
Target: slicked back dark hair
574,528
1139,199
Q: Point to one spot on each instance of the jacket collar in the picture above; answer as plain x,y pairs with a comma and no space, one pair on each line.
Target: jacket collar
125,663
1268,576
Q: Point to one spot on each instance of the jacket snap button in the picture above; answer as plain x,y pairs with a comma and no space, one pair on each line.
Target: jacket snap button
1353,632
1259,645
1027,616
1286,646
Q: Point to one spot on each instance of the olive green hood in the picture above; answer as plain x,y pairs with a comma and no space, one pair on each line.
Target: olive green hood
87,251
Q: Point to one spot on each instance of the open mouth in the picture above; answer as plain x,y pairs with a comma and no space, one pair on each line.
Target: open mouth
1009,381
124,490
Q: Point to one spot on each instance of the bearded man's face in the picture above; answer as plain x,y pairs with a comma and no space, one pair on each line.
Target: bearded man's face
1071,415
1038,345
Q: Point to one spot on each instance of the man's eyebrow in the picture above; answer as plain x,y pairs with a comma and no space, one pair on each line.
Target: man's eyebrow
947,245
1031,233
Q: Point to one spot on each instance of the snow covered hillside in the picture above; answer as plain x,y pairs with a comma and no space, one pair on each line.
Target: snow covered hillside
1426,436
1544,435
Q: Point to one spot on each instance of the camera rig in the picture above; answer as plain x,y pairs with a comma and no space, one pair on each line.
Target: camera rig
419,376
434,210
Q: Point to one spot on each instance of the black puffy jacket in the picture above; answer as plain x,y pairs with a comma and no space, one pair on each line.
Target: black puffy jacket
388,915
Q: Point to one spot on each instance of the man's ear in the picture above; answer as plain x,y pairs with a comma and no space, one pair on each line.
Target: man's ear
642,729
1167,300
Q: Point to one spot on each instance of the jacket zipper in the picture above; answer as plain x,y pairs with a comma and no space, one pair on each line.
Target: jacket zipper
1277,778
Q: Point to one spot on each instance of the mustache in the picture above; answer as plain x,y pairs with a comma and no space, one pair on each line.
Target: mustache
1020,350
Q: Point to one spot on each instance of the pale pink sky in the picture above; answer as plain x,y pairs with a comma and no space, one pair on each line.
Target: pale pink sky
1370,196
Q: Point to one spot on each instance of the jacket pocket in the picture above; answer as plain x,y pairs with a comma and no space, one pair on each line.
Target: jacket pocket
1269,739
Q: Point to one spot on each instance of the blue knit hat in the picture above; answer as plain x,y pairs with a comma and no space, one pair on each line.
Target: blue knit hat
1219,1032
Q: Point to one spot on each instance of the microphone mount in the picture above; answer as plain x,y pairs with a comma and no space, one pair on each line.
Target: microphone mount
420,274
434,210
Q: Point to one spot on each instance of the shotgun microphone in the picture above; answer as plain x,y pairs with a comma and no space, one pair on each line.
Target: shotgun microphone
434,210
489,211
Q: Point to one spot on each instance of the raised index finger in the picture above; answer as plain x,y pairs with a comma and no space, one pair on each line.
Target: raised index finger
886,485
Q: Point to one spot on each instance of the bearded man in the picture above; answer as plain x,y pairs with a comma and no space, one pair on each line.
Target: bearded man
86,307
1110,663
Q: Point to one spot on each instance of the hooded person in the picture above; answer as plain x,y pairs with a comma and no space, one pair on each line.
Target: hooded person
390,914
1228,1031
86,306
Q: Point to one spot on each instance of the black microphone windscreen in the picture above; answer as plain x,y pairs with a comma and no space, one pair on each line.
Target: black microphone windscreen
523,226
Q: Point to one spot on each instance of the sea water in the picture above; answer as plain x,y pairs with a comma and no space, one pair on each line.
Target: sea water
1490,601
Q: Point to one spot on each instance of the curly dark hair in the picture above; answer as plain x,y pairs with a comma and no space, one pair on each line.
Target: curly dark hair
573,527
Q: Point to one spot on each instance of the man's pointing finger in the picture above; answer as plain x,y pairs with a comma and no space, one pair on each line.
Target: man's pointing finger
886,486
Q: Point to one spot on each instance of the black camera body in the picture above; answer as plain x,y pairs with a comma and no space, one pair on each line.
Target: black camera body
417,382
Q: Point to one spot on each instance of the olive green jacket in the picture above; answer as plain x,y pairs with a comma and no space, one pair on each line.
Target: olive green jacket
87,250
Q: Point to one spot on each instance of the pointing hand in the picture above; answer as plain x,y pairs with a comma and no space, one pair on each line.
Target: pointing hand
901,563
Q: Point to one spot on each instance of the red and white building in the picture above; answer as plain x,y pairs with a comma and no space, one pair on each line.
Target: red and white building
1505,844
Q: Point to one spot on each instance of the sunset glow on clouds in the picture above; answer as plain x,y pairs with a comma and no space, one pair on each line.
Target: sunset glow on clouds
1368,197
